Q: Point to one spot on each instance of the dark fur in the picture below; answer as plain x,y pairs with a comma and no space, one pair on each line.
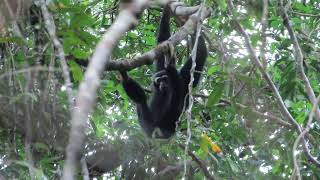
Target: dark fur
169,88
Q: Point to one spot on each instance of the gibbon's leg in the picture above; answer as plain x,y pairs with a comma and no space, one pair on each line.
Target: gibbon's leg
176,84
202,54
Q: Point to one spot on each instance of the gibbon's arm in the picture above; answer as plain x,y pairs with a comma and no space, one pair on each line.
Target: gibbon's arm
201,56
133,89
163,35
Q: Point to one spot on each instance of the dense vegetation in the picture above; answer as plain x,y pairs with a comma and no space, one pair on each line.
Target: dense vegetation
243,125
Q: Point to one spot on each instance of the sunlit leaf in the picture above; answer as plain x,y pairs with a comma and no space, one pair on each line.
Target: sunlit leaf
215,95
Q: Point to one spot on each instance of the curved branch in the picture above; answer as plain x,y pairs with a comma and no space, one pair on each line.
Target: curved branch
101,61
148,57
266,76
87,91
179,9
299,58
200,163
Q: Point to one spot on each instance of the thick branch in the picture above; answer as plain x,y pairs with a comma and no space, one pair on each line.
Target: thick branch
99,62
180,9
88,87
148,57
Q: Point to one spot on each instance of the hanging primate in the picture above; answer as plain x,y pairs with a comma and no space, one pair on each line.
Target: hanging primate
159,117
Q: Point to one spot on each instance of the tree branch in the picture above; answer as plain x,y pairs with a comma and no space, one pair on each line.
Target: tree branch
267,77
170,172
302,134
201,164
305,14
51,28
299,58
87,90
264,24
148,57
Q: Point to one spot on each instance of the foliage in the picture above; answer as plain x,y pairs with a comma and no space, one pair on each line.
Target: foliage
227,132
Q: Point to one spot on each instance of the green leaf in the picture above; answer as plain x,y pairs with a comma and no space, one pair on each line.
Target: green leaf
247,23
70,41
76,70
274,46
301,118
215,95
108,86
150,41
276,22
234,167
88,38
20,57
222,4
12,40
41,147
300,7
82,20
132,35
100,130
204,144
254,39
248,80
39,174
80,54
213,70
149,27
296,20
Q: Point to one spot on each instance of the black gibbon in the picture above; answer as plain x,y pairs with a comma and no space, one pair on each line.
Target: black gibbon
159,117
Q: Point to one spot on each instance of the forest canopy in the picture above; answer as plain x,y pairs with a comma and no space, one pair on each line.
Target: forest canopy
64,113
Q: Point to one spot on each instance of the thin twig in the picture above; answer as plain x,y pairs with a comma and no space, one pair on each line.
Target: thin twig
170,171
33,68
269,116
244,84
267,77
302,134
264,24
299,58
51,28
305,14
200,163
